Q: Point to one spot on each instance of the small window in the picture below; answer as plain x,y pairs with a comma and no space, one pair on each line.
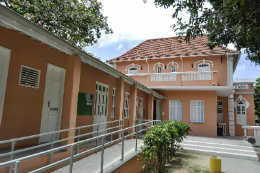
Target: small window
29,77
159,69
113,103
197,111
173,68
204,67
126,106
133,70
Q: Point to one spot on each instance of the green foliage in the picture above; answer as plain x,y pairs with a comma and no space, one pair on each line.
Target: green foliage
161,143
79,22
257,97
228,21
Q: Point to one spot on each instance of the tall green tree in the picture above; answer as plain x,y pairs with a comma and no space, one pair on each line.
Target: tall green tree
79,22
228,21
257,97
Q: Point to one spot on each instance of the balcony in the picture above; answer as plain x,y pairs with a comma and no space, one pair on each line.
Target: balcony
177,78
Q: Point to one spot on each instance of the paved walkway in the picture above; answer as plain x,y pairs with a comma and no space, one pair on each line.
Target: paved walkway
112,155
232,165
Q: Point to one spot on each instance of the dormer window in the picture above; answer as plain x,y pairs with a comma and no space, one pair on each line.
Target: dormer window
159,69
133,70
173,68
204,67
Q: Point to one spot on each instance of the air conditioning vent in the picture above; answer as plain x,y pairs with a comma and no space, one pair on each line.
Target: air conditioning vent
251,140
29,77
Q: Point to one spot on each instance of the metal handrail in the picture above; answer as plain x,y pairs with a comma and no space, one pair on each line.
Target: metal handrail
13,141
73,157
53,132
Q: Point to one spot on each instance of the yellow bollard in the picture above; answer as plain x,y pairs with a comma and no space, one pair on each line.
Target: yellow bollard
214,165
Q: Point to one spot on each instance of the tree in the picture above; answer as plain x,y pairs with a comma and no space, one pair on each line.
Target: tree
78,22
228,21
257,97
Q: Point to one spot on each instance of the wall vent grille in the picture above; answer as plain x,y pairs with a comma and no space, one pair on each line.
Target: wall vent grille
29,77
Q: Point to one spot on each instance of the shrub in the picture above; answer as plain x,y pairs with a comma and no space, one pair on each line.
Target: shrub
161,143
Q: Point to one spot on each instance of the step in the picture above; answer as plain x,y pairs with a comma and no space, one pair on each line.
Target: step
218,141
219,149
222,145
220,154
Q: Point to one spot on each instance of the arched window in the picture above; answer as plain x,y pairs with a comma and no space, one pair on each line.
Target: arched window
133,70
204,67
159,69
173,68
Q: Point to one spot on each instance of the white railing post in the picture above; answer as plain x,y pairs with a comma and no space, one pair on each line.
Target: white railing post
71,158
17,166
258,133
245,132
254,132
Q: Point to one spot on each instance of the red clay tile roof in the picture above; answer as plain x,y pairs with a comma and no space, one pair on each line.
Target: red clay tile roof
167,47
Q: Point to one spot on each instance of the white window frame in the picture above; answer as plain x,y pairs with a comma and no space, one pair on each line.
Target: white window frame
113,103
173,68
158,69
126,105
131,71
202,69
197,118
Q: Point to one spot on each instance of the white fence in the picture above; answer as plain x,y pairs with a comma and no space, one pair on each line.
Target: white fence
223,125
255,128
197,76
242,86
163,77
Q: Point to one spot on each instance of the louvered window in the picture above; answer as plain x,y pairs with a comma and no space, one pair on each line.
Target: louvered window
29,77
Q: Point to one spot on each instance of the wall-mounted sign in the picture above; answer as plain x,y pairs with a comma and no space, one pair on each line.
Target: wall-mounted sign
85,104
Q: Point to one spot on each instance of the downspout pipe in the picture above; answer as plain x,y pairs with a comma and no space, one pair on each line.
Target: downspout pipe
181,64
147,64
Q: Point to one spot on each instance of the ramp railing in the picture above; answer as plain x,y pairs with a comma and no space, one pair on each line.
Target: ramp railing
53,142
72,146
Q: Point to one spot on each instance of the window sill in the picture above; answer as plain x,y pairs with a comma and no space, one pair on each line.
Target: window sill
198,122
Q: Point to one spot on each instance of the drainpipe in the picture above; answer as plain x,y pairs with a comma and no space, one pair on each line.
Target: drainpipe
148,65
182,63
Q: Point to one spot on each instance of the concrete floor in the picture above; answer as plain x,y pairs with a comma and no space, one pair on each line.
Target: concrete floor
112,155
232,165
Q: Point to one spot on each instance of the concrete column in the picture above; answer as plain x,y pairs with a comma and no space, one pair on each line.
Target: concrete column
231,114
132,108
119,101
70,99
150,106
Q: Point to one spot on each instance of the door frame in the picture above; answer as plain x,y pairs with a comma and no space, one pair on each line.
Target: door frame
160,112
176,109
7,56
60,101
220,106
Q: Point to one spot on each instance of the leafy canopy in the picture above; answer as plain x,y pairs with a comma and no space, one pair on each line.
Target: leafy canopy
77,21
228,21
257,97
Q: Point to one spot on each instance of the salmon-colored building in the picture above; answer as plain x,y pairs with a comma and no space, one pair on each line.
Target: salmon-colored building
197,81
47,85
43,77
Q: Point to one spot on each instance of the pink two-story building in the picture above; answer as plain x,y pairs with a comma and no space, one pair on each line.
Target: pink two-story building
197,81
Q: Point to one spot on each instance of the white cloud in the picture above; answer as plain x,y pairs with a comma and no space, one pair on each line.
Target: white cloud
135,20
119,47
241,67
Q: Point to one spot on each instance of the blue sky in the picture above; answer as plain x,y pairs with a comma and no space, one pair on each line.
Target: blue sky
141,21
